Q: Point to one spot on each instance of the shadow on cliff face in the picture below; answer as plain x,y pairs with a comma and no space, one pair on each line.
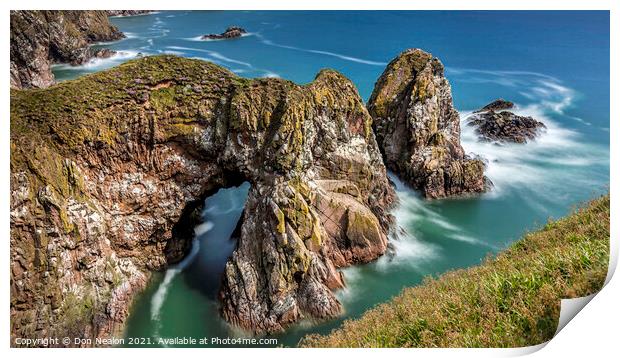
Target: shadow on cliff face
193,215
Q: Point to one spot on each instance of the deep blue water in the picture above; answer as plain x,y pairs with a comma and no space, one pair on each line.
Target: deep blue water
554,65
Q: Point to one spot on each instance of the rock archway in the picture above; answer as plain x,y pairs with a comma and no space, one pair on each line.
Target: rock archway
103,166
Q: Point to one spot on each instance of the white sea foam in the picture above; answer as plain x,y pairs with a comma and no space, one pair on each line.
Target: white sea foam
100,63
321,52
555,145
195,38
212,54
354,285
215,209
470,240
158,299
413,209
263,73
269,74
407,248
219,56
171,52
497,73
203,228
347,58
222,60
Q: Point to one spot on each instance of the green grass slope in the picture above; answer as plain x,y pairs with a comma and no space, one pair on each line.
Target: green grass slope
511,300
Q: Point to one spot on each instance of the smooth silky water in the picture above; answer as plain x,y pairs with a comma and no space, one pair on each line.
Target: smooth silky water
554,65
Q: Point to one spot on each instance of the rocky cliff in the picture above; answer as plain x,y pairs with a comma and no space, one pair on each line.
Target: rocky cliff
418,130
42,38
105,170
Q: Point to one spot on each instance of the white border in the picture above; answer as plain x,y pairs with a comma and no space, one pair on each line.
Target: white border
592,331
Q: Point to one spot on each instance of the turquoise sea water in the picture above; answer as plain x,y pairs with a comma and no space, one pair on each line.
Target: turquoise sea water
554,65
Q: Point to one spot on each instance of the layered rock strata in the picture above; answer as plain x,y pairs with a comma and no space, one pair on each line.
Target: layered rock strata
105,167
42,38
418,130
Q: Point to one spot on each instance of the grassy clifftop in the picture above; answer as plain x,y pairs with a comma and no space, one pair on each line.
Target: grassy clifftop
508,301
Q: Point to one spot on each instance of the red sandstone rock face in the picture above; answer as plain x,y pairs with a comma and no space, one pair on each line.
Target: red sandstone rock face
418,129
103,169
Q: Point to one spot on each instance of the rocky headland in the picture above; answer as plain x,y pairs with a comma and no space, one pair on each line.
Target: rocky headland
495,124
418,129
230,33
108,172
106,168
42,38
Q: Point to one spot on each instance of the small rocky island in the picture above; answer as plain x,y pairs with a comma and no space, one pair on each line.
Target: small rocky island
231,33
495,124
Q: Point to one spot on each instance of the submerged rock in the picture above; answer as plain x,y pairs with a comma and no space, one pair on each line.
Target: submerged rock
418,129
41,38
504,126
230,33
105,169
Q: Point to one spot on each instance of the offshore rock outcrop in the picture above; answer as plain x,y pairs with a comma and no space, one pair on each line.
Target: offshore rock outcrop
230,33
418,130
125,13
494,124
105,166
42,38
